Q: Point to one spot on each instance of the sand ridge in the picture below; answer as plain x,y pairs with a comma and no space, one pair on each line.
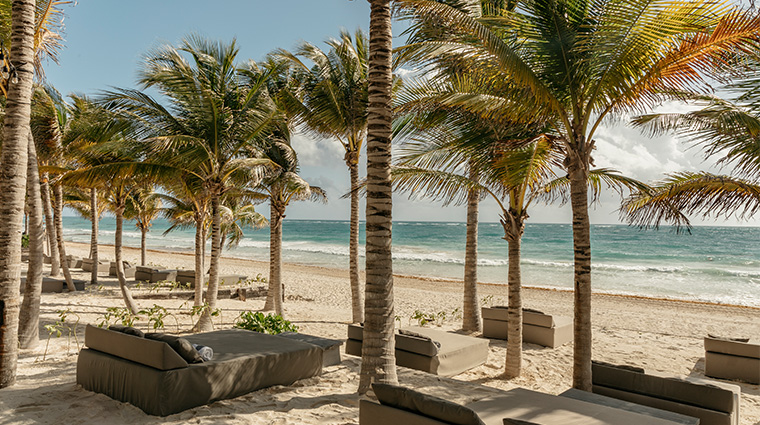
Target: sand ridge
657,334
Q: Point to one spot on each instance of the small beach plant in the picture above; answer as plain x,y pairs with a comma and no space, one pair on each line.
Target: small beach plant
268,324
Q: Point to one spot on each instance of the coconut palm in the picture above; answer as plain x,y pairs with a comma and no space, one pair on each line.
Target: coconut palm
281,186
378,348
90,205
238,214
143,207
581,62
723,128
12,185
334,92
214,113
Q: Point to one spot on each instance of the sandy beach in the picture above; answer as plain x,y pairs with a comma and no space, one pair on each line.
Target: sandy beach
658,335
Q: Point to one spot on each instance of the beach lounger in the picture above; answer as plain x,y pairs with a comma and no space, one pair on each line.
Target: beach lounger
149,374
732,359
538,328
714,403
129,270
87,265
154,275
429,350
187,277
52,285
403,406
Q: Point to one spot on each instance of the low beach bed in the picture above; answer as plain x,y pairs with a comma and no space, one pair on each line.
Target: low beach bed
154,377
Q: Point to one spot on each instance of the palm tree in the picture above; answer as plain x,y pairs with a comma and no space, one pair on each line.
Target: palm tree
334,91
378,349
143,207
215,113
727,129
238,214
12,185
90,205
583,62
281,186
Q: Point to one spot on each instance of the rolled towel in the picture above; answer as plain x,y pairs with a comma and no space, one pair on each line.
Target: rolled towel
206,352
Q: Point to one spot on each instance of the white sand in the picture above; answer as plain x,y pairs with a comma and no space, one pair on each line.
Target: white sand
658,335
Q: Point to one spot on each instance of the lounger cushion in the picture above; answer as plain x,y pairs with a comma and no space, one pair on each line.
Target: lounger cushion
155,354
426,405
414,342
735,348
182,346
512,421
127,330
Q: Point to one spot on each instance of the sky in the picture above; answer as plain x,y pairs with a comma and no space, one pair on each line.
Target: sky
105,41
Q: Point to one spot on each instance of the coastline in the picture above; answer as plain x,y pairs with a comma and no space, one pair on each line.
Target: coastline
658,335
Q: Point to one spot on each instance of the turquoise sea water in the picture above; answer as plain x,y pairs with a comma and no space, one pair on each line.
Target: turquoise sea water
716,264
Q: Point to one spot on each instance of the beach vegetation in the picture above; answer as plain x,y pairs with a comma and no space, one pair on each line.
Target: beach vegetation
331,101
581,63
271,324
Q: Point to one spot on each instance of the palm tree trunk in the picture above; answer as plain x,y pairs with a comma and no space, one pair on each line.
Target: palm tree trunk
514,226
357,297
199,248
275,294
143,244
94,235
471,321
204,323
578,171
13,184
57,214
125,292
378,348
28,328
55,262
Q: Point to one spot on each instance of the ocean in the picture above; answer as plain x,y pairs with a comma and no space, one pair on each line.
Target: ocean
713,264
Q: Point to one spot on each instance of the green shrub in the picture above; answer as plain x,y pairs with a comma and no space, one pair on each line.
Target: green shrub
25,241
268,324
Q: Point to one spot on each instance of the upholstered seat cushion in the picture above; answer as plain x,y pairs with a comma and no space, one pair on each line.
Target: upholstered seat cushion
425,405
734,348
155,354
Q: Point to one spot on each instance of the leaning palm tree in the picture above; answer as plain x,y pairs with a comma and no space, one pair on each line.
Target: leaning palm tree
281,186
577,63
378,349
214,113
143,207
12,185
334,104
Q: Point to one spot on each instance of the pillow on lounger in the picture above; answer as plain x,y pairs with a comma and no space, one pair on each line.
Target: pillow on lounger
182,346
127,330
511,421
425,405
723,338
418,335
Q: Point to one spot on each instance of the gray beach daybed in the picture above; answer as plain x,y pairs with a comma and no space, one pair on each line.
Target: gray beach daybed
188,277
714,403
154,275
87,265
129,269
154,377
429,350
403,406
538,327
50,284
732,359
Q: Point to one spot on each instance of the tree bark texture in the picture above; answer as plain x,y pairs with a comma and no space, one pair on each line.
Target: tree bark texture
357,297
94,235
29,321
143,244
58,217
275,293
55,259
199,246
514,227
471,320
13,183
205,323
578,168
117,245
378,348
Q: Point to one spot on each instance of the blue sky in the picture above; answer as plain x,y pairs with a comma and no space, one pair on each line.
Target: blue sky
106,39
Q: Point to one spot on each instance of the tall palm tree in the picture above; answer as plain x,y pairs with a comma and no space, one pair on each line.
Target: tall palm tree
582,62
378,349
281,186
334,95
89,203
13,183
143,207
215,112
